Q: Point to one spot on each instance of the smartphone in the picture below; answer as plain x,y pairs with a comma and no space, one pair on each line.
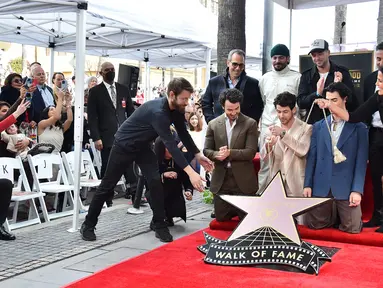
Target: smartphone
64,85
35,82
28,83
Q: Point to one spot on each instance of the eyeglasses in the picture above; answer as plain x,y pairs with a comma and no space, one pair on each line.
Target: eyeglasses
16,81
236,65
106,70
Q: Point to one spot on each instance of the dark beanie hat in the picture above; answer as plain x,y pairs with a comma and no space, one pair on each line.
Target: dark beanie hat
280,49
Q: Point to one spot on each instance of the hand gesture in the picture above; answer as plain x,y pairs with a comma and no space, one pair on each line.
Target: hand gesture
170,175
307,192
21,108
23,92
323,103
60,94
338,76
355,199
197,181
276,130
205,162
271,141
223,153
188,195
320,86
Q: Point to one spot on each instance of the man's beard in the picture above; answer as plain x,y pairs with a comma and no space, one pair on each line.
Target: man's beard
178,107
280,66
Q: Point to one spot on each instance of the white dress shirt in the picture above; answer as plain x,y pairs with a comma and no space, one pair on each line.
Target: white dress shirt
110,91
46,95
336,129
229,133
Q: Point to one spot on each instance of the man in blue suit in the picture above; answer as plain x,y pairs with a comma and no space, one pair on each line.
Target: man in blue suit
343,181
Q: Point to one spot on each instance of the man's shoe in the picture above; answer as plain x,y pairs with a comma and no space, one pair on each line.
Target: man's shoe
4,235
380,229
374,222
152,227
169,222
164,235
87,232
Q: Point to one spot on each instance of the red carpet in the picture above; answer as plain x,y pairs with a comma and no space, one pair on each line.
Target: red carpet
367,237
180,264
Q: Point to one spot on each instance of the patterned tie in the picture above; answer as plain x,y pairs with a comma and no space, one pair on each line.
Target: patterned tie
335,125
113,94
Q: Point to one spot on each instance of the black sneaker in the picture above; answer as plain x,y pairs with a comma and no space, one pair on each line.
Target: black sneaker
374,222
87,232
4,235
152,227
169,222
164,235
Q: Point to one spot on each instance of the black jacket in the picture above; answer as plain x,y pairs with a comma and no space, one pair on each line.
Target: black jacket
153,119
252,105
308,88
369,87
103,118
367,109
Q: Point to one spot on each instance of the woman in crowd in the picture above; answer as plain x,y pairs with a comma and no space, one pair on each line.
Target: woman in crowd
10,92
50,129
371,109
175,181
6,185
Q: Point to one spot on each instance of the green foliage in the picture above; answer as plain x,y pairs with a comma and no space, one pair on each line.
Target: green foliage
207,197
17,65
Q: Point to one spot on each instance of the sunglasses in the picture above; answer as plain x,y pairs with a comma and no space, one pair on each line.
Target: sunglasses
235,65
16,80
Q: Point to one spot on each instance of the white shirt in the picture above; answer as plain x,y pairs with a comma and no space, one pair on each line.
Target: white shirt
336,129
229,133
270,85
376,121
47,96
323,75
110,90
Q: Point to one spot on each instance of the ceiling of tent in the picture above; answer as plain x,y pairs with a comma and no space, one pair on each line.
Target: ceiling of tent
121,32
307,4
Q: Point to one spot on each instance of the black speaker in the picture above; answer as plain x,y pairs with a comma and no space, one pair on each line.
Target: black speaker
128,75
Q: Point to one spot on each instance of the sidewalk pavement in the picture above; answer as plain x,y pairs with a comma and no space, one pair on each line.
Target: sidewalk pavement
67,257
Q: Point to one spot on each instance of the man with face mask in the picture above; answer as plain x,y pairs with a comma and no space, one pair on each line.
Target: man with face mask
322,74
109,105
280,79
134,141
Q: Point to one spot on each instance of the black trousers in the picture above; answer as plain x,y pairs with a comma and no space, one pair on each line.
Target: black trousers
128,173
376,166
6,187
119,160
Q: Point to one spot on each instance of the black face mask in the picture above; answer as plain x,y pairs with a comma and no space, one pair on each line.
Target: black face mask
110,76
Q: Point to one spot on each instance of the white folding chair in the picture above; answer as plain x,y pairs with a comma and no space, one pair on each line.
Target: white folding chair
21,193
45,167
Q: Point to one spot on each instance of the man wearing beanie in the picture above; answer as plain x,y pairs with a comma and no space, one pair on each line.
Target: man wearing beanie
280,79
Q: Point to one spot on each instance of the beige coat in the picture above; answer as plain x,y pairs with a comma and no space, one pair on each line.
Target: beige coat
289,157
243,147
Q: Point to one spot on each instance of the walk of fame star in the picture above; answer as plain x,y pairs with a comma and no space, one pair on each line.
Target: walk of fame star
273,209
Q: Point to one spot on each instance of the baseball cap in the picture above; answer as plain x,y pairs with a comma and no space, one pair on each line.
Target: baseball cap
318,45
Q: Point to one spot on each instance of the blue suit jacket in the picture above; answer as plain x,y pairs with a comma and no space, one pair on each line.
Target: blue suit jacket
322,174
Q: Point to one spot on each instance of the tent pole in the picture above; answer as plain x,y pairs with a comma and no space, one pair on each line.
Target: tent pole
52,68
147,95
208,63
268,16
291,29
79,110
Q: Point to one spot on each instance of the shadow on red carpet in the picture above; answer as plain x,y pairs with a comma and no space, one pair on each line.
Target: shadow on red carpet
180,264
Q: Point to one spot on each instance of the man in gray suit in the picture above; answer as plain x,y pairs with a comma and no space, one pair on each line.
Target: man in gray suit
231,142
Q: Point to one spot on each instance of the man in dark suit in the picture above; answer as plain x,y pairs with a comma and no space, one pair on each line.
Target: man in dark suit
231,142
109,105
42,97
342,181
376,143
323,73
235,77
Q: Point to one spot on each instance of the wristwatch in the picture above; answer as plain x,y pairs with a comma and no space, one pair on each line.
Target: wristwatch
283,133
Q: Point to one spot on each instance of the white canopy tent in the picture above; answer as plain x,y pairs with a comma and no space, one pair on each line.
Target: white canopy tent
91,27
307,4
